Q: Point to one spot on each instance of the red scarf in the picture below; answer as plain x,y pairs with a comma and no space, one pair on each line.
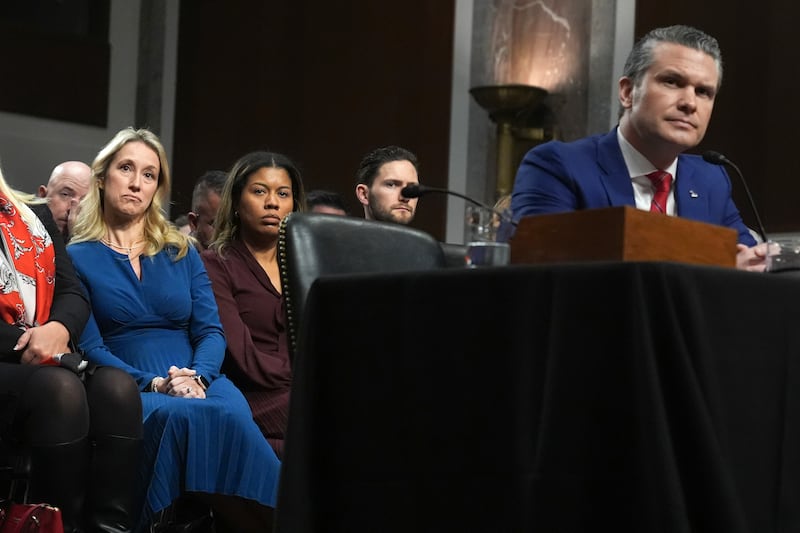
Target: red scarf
27,269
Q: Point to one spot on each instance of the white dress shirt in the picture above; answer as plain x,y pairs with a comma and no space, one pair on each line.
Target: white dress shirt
638,168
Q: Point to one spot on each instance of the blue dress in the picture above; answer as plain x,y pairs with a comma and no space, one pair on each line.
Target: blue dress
170,317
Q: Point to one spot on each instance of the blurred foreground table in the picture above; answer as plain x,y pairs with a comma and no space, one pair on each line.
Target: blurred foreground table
628,397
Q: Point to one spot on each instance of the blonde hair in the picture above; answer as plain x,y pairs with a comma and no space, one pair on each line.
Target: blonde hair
20,201
158,231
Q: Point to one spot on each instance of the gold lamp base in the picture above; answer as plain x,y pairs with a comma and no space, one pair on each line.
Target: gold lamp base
506,104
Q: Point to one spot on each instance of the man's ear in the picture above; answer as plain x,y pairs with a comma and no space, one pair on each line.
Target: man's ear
42,192
362,193
625,92
192,220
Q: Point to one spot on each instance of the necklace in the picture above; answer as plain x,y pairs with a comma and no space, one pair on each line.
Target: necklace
127,249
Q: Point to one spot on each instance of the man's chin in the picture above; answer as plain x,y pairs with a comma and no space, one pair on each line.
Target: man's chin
684,139
403,218
394,216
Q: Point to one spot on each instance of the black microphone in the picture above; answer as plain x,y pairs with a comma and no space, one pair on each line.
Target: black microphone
717,158
415,191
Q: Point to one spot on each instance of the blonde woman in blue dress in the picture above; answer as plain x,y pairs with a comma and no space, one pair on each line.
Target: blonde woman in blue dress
154,315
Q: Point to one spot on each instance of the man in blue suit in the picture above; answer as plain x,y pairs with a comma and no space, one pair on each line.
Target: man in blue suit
666,94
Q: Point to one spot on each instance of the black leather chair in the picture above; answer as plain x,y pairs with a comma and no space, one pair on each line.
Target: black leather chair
455,255
311,245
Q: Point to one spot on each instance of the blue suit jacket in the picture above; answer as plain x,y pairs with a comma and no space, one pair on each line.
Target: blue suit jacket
590,173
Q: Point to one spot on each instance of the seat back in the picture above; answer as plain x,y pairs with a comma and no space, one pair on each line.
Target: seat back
311,245
455,255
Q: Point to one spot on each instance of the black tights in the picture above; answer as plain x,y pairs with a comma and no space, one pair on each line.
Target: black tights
55,407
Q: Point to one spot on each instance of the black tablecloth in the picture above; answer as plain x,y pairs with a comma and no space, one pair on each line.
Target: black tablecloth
640,397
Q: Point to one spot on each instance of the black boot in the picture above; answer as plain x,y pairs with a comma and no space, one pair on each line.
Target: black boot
58,477
114,502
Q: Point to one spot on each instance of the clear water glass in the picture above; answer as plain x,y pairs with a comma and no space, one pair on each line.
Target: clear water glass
480,236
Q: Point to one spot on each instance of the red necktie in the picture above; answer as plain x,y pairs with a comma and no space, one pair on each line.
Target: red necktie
661,182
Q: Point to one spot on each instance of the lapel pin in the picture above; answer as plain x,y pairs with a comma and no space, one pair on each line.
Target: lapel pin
693,194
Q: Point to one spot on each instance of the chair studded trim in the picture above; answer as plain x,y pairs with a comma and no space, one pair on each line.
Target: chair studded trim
286,286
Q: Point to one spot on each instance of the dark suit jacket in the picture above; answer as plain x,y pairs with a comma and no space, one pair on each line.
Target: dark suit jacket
69,307
591,173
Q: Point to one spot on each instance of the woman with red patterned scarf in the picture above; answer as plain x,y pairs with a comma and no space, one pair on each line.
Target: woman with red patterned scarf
83,432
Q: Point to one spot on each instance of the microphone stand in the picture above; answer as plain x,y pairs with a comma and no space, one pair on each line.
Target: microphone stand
412,191
719,159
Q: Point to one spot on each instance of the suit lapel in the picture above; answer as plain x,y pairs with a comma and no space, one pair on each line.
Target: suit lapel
615,176
691,197
691,192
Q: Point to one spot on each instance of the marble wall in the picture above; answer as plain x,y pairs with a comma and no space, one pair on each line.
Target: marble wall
545,44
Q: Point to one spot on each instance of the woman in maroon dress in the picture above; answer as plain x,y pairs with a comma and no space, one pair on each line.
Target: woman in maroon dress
261,189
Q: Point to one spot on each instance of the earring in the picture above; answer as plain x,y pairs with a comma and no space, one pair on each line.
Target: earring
236,214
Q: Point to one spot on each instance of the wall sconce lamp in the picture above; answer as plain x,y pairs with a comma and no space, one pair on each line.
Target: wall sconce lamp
510,107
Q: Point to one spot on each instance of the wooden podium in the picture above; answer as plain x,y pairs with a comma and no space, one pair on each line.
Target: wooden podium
621,234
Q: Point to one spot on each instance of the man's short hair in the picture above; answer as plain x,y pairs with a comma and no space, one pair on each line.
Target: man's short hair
211,181
371,164
326,198
641,55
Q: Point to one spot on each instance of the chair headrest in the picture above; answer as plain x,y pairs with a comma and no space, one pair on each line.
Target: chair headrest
312,245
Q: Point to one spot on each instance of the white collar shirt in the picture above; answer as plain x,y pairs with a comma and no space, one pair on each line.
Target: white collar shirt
638,169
